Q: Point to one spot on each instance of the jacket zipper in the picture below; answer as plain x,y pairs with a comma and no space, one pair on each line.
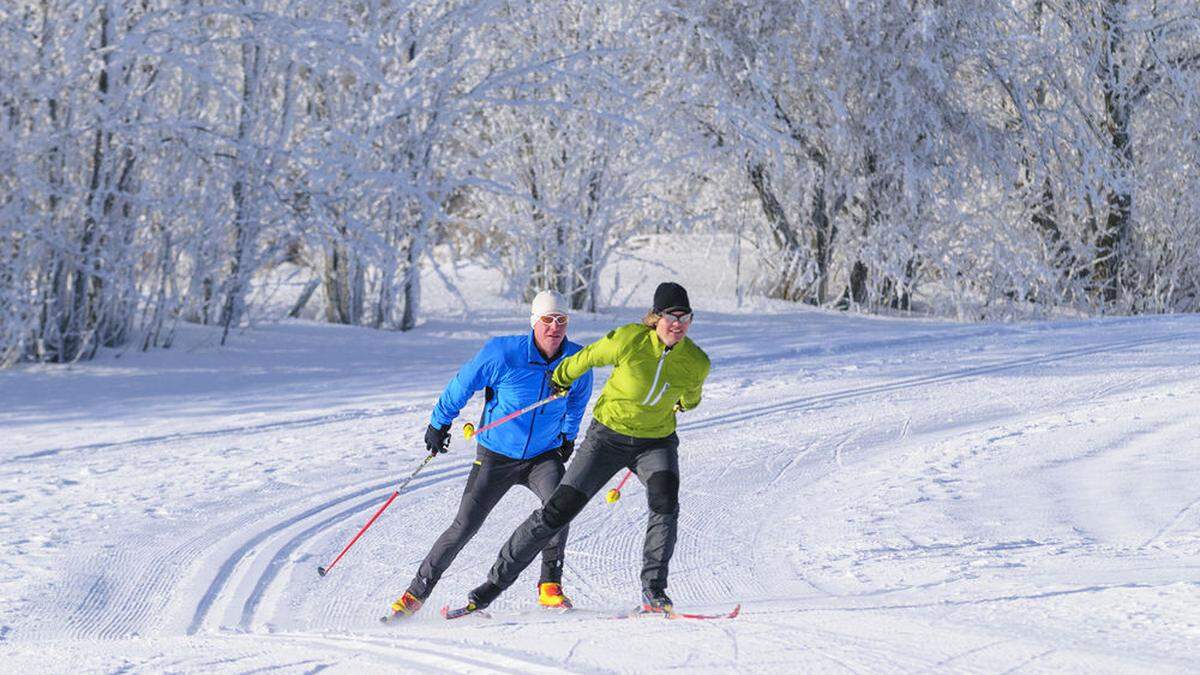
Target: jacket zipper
654,384
533,419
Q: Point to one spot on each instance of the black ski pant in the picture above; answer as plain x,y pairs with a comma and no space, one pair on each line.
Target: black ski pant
492,476
603,453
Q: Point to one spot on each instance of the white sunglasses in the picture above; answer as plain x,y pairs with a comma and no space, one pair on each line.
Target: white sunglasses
677,318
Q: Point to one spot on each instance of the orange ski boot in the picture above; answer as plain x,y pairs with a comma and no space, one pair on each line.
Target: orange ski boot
404,607
551,595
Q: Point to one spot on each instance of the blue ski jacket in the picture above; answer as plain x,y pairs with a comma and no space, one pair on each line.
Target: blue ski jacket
515,374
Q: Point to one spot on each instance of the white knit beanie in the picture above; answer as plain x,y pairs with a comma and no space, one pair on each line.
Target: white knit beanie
545,302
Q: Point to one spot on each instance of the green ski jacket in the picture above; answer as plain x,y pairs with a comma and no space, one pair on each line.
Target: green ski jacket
647,379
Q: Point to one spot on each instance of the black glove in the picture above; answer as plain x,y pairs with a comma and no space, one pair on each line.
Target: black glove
437,439
557,389
564,451
678,408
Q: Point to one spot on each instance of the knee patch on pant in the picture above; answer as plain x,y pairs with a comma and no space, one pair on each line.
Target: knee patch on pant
564,504
663,492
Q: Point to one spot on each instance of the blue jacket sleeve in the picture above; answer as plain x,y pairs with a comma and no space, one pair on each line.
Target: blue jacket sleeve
581,391
473,376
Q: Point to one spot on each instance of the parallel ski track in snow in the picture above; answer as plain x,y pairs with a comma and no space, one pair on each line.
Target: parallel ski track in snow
279,556
252,602
452,655
320,517
301,423
802,402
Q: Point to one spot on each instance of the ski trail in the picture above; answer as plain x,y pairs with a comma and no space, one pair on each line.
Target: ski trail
249,577
803,402
620,542
284,552
800,454
443,654
1171,525
266,427
243,553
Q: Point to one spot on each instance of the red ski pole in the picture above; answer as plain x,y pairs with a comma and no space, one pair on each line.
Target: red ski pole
615,493
325,570
469,429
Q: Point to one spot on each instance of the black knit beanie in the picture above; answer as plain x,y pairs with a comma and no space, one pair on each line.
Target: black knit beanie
670,296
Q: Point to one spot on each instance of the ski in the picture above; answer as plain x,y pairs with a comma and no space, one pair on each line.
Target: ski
459,612
731,614
394,617
639,612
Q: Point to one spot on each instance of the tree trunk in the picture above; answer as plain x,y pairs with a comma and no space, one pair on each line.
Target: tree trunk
305,294
1113,240
80,290
412,284
824,235
782,231
583,294
243,228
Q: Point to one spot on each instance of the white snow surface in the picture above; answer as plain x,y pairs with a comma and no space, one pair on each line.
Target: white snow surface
879,494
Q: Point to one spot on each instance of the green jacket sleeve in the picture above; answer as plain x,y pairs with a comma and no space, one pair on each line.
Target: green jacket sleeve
690,398
602,352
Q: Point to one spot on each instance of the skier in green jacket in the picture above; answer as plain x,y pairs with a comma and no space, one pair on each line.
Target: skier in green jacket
657,372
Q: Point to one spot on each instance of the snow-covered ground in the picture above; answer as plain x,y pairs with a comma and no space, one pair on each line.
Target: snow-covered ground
880,495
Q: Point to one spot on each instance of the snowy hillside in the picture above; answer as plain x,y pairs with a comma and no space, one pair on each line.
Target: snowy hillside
880,495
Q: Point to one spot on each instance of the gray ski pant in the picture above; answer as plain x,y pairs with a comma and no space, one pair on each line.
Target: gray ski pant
491,477
603,453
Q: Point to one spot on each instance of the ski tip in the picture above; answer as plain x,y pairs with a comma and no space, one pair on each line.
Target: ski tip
458,613
321,571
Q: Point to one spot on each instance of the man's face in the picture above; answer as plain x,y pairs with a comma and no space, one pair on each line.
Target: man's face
673,325
550,330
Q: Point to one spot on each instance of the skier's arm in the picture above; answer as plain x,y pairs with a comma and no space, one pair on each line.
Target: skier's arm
577,400
473,376
690,398
602,352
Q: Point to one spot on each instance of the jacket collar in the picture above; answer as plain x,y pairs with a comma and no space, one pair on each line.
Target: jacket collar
659,345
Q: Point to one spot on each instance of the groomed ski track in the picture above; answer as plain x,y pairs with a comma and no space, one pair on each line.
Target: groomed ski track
246,571
256,562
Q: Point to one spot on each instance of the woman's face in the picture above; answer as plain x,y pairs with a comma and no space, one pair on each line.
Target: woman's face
673,325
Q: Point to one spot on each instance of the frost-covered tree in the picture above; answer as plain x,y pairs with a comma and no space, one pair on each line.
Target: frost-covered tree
578,142
844,120
1096,98
970,159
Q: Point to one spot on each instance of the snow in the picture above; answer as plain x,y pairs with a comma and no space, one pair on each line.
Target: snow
880,494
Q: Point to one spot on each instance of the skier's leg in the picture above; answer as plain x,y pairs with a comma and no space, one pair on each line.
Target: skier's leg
543,478
658,469
596,460
491,477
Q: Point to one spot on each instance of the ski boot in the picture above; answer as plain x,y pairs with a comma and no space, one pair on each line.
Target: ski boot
404,607
477,600
550,595
655,601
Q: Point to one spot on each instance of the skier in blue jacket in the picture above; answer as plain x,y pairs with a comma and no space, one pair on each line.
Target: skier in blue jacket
531,450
